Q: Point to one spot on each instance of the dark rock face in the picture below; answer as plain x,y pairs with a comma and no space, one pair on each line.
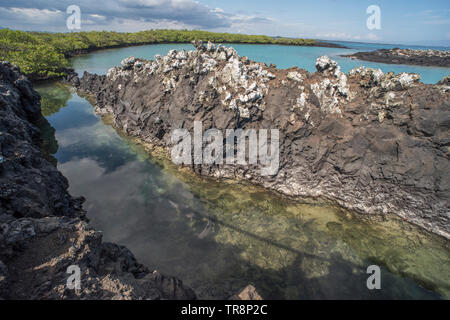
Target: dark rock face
24,173
372,142
430,57
43,230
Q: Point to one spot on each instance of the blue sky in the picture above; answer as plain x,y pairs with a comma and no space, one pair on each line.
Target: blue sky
409,22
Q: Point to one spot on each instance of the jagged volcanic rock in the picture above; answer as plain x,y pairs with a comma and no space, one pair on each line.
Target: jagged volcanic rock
372,142
43,230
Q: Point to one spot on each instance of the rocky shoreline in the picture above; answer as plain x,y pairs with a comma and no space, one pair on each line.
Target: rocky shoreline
370,142
44,230
432,58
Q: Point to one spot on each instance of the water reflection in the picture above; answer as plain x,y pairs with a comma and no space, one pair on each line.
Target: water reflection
218,237
54,96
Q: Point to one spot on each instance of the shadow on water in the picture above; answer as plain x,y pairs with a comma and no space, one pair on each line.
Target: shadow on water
220,236
49,145
325,274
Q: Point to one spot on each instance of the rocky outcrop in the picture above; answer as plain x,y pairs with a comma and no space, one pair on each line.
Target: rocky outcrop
436,58
43,230
247,293
371,142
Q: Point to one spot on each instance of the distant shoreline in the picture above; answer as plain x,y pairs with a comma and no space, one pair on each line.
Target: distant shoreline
94,49
428,58
43,55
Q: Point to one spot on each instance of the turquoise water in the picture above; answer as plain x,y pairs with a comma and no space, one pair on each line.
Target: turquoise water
219,237
282,56
365,46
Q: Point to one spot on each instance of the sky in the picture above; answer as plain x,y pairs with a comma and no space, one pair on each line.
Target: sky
401,21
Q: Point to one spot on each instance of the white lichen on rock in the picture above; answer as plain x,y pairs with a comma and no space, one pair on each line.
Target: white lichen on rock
295,76
333,90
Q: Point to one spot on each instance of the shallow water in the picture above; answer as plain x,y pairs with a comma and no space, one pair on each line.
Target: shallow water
219,237
282,56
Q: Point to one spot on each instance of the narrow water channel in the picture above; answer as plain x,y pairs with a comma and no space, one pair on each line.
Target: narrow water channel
220,236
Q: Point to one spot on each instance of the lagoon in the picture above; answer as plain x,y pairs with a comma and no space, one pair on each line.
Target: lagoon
282,56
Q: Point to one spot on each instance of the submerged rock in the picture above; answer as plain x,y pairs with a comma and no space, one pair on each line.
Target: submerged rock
371,142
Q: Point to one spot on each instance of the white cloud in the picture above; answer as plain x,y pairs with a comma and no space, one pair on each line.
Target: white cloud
30,14
119,14
132,25
218,10
347,36
31,18
185,12
33,12
438,21
372,36
97,16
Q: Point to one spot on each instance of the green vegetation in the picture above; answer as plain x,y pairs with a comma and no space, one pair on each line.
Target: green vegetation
43,55
33,55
